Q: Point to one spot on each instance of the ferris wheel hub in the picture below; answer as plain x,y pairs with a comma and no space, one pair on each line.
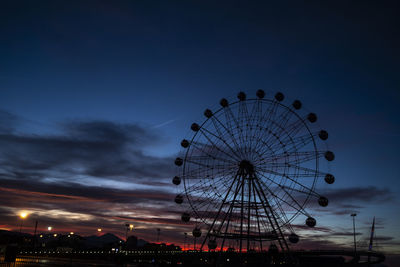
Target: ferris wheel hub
246,166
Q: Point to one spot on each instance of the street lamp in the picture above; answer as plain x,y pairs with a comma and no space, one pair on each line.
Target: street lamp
129,227
22,215
49,228
354,232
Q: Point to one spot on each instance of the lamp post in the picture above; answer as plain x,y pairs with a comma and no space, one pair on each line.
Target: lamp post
129,227
184,242
354,232
22,215
49,228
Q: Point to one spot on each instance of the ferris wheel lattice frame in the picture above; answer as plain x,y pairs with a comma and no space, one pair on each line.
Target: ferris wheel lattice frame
249,170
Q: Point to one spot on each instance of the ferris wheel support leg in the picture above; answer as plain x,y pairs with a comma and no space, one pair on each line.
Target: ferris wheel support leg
261,195
248,213
241,215
230,214
257,216
219,211
267,213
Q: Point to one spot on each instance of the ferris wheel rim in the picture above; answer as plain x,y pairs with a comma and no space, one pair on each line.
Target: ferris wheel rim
269,101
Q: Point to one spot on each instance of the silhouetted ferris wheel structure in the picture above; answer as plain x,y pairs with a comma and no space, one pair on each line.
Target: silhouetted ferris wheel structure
249,170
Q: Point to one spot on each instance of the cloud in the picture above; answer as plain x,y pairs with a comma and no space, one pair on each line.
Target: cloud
95,149
368,194
90,173
344,201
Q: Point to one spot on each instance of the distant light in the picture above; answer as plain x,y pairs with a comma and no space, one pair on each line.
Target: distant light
55,235
23,215
71,233
41,236
131,227
49,228
99,230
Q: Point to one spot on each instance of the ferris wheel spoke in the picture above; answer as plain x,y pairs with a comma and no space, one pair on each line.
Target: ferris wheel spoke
295,157
283,119
208,202
213,146
305,172
299,207
270,114
296,126
216,180
256,123
282,218
290,131
289,178
200,173
210,158
203,130
265,129
294,144
313,193
274,140
216,186
230,116
204,151
246,124
216,122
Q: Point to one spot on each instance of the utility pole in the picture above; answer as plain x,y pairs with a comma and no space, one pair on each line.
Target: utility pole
354,232
34,235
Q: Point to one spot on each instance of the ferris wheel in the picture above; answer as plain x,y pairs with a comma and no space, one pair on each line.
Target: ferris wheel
250,169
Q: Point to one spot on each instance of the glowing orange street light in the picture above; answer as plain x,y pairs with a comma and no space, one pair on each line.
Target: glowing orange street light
22,215
99,230
71,233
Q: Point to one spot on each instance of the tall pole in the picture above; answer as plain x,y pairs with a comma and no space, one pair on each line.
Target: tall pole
184,242
354,232
20,228
34,235
126,233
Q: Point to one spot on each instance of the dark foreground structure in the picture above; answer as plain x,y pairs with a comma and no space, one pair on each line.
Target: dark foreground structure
195,258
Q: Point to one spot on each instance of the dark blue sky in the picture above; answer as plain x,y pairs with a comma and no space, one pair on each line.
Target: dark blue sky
158,64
